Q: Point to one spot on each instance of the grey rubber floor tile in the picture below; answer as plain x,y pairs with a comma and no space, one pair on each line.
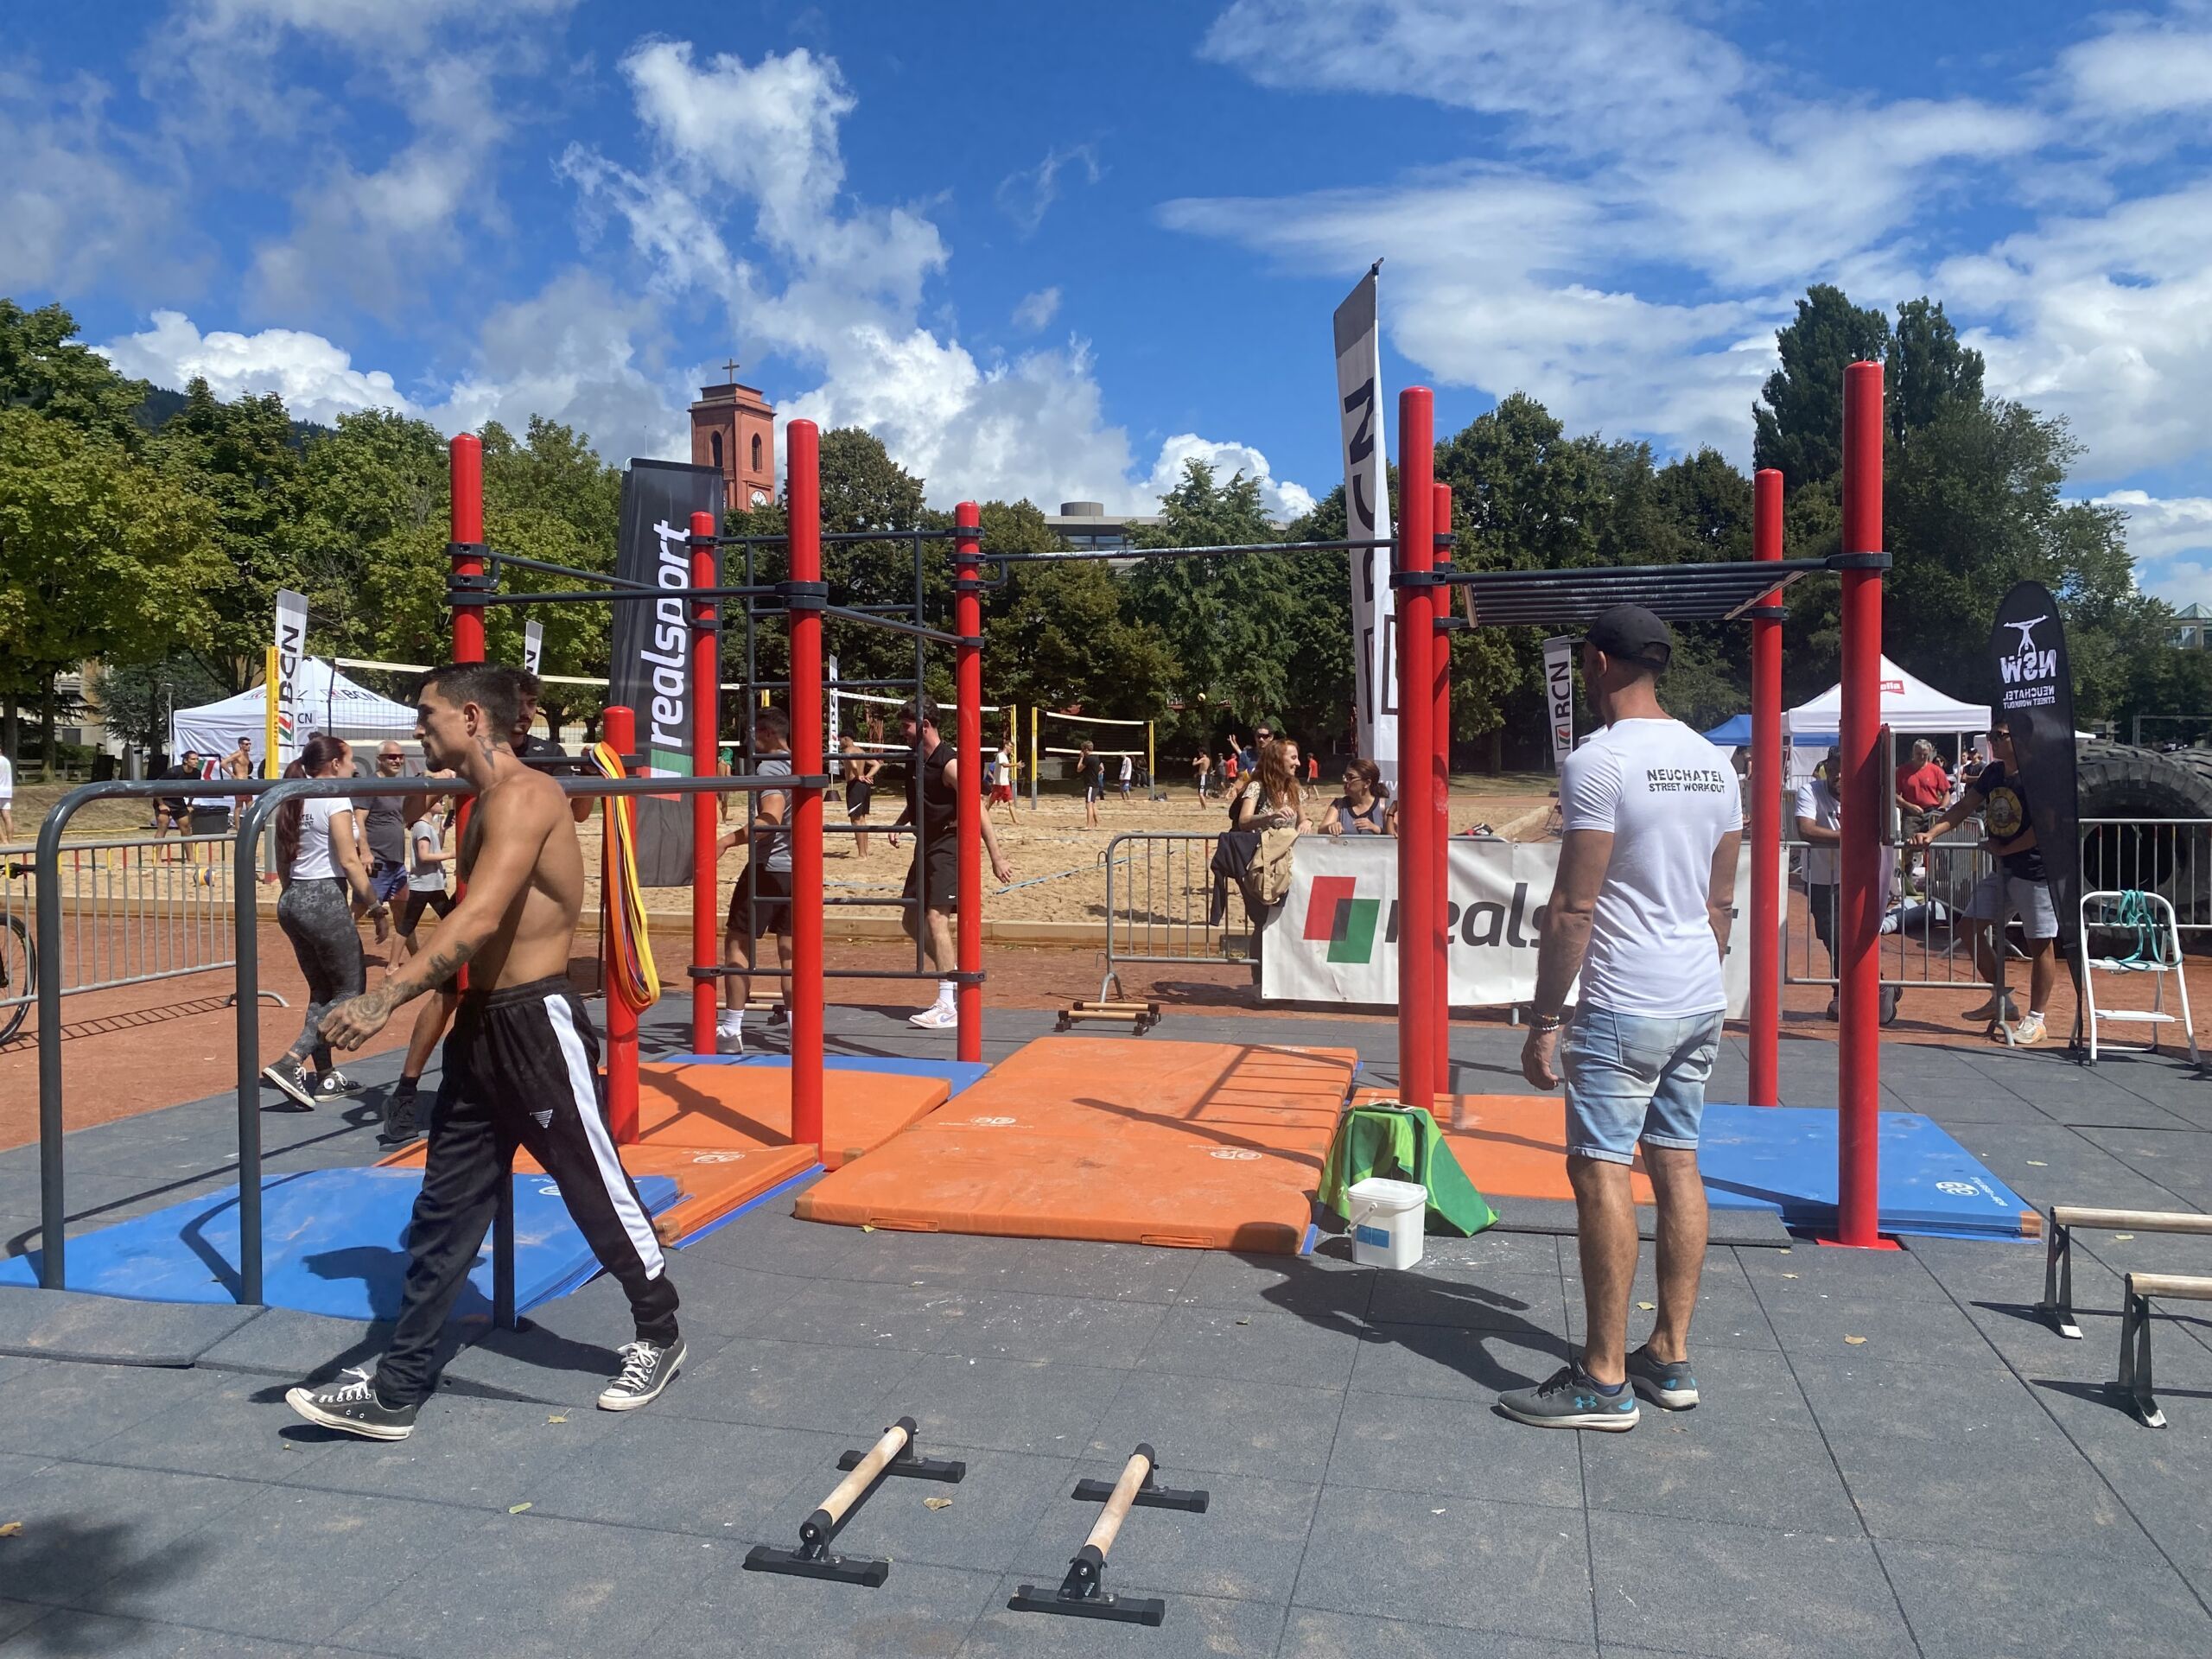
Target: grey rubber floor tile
1909,1330
990,1324
1939,1455
2162,1475
1252,1341
240,1427
1253,1427
1745,1390
1311,1633
299,1567
57,1409
1807,1269
920,1610
71,1325
1490,1253
715,1480
1982,1602
1079,1269
65,1632
771,1240
1245,1546
524,1585
1195,1627
480,1454
1729,1314
1320,1286
1451,1448
113,1540
1514,1569
791,1385
717,1299
539,1363
1471,1298
985,1521
15,1615
287,1344
1674,1465
1742,1591
1471,1366
2178,1160
935,1261
853,1313
1045,1407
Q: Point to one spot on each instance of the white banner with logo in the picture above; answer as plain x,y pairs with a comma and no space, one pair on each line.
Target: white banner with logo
836,726
1559,696
1335,938
291,650
1367,515
533,646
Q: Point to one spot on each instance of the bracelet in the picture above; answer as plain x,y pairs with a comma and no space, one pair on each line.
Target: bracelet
1544,1023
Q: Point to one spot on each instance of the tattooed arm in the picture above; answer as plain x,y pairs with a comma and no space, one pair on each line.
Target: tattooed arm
513,827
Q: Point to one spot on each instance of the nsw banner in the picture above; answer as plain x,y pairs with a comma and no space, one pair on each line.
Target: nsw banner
652,649
1367,515
2035,697
1335,939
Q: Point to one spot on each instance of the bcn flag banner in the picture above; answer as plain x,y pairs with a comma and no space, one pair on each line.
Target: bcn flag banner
1366,516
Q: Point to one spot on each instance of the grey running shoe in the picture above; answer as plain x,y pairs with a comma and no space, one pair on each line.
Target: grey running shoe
290,1079
1671,1386
1571,1399
647,1368
350,1406
2009,1012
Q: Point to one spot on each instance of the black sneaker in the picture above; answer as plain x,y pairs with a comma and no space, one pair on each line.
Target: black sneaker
290,1080
350,1405
1669,1386
1570,1398
335,1085
647,1368
399,1110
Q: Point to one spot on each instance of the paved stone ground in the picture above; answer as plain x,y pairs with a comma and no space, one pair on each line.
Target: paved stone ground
1960,1481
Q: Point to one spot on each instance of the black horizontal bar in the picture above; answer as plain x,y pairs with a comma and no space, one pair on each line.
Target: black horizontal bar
496,559
893,624
1761,573
1095,554
463,597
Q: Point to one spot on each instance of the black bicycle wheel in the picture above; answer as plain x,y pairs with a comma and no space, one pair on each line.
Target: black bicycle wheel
18,974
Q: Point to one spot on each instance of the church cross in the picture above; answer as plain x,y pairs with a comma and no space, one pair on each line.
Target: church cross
729,368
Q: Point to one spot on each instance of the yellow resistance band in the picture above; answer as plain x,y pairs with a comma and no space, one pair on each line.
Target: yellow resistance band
630,952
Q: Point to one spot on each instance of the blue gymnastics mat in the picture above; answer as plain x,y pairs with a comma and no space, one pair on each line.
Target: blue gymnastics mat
1783,1158
958,1074
332,1241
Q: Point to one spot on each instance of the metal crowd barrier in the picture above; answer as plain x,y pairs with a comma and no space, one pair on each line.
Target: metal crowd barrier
1161,904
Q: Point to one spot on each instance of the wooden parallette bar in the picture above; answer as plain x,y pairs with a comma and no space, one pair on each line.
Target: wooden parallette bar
2172,1287
2135,1333
2059,1222
1140,1017
892,1454
1082,1594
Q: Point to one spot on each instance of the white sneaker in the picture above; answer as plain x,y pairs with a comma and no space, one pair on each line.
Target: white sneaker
938,1016
729,1034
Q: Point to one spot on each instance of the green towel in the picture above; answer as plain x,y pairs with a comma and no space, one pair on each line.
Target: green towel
1404,1144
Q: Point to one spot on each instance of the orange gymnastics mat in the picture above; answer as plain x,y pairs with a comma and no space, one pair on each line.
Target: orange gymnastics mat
1512,1146
1208,1146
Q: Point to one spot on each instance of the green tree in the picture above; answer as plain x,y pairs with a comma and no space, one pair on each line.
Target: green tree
1057,636
1798,425
45,367
136,699
1926,374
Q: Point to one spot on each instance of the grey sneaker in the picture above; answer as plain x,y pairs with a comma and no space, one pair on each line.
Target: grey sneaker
647,1368
290,1079
1571,1399
1671,1386
350,1406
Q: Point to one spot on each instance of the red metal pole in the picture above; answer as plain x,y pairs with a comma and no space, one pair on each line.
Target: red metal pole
465,459
1441,528
1859,967
1767,784
1418,922
802,496
620,727
968,683
706,738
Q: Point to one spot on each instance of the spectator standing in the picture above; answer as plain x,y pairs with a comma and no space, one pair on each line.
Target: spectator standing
1312,772
427,858
1129,772
7,797
1923,787
1364,808
1092,771
1229,761
1202,768
760,903
319,861
859,770
932,806
384,828
172,811
1639,911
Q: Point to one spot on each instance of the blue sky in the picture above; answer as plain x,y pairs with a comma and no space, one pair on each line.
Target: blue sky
1054,251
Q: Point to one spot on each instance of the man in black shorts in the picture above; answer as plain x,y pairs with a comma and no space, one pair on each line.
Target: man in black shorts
932,892
760,903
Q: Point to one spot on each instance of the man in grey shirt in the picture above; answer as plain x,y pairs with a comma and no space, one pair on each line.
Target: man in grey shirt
761,904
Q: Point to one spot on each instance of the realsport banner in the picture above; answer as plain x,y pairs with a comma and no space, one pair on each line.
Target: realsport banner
2035,696
1559,696
1367,516
652,649
1334,938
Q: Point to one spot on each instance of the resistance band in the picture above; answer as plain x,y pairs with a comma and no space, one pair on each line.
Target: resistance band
631,972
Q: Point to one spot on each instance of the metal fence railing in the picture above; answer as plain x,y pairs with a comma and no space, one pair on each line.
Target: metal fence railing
1165,905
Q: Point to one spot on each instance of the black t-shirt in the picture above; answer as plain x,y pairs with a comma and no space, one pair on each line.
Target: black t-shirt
2004,817
934,805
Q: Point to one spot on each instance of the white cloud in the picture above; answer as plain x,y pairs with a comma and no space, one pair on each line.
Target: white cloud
77,204
316,379
1027,196
2170,538
2142,67
1037,310
1280,498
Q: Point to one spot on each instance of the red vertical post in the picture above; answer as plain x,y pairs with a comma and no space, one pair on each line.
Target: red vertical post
1418,922
706,740
1441,530
968,691
1767,784
465,461
1858,966
802,496
619,726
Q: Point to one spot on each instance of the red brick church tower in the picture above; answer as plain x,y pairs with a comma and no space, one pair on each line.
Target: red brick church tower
734,428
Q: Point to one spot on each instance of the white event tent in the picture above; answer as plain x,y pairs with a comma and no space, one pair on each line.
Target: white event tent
1908,706
325,701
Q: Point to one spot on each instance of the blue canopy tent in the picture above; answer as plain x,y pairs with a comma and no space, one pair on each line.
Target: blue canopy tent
1735,732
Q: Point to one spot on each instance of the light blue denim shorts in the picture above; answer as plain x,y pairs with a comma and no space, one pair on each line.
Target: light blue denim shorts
1633,1077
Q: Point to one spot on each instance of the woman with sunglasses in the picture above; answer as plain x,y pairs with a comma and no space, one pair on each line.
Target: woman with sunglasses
1364,808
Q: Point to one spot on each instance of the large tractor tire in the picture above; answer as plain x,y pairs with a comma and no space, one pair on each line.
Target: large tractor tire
2163,841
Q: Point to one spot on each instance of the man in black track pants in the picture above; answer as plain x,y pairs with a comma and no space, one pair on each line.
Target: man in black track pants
520,1069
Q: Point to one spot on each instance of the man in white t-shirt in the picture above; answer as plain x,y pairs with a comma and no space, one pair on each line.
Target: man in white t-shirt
7,798
1647,875
1818,811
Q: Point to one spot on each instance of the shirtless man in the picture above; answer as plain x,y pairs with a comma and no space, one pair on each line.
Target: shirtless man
520,1069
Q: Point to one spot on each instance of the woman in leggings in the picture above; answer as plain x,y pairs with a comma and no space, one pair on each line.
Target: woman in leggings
319,863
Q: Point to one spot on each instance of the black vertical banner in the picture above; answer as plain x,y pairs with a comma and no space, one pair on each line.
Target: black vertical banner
2035,692
651,670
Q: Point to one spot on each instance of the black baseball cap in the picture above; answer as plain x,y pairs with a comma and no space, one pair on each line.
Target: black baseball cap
1632,633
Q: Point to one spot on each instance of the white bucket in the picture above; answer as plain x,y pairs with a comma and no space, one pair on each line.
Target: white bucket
1386,1219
